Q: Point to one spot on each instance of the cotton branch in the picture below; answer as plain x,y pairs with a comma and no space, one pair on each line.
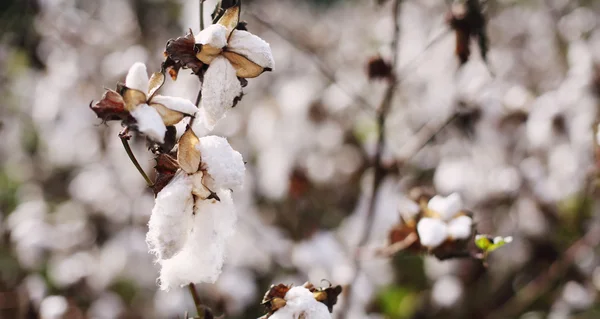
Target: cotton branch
379,170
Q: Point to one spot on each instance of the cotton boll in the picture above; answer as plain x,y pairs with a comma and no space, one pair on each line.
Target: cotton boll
460,227
300,303
149,122
447,207
171,217
53,307
446,291
221,162
432,232
201,257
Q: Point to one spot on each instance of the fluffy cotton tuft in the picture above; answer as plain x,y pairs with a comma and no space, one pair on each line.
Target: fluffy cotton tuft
149,122
176,104
300,303
201,257
432,232
460,227
252,47
219,90
446,207
214,35
224,165
171,217
137,77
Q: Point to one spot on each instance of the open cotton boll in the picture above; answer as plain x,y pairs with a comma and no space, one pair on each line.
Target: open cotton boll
300,303
224,165
171,217
432,232
201,257
446,207
460,227
149,122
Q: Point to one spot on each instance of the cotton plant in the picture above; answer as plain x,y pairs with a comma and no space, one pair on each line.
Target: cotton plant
445,220
306,302
224,56
139,107
194,213
441,226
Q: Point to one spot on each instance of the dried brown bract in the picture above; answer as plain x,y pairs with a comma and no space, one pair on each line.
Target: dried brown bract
111,107
181,54
327,296
274,298
468,22
166,167
378,68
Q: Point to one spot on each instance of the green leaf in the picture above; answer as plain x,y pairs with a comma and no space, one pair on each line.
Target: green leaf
483,242
489,244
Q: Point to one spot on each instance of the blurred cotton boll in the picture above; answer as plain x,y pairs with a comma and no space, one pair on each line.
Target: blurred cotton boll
53,307
446,291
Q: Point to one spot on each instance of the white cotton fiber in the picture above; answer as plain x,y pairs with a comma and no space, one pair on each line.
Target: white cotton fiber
460,227
174,103
252,47
149,122
432,232
171,217
224,165
446,207
137,77
219,89
214,35
201,257
300,303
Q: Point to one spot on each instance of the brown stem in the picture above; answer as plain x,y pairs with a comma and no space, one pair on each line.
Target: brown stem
201,15
124,136
380,171
196,298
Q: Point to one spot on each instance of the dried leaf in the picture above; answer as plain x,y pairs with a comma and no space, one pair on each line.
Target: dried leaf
111,107
166,167
156,82
181,53
168,116
274,298
278,291
244,68
187,155
378,68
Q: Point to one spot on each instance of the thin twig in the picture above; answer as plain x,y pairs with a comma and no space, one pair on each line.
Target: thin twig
124,136
380,171
286,35
196,298
201,15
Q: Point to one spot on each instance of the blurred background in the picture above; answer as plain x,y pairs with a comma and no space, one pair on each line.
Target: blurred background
515,137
